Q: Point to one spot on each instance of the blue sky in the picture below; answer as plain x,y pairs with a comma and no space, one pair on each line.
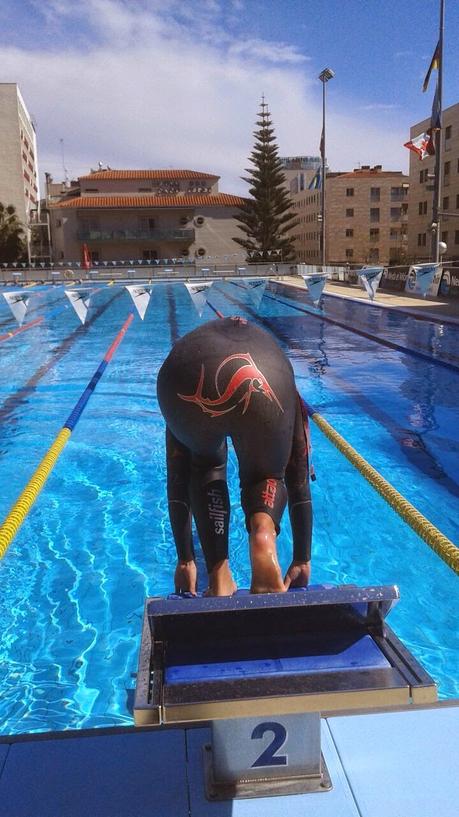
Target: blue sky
144,83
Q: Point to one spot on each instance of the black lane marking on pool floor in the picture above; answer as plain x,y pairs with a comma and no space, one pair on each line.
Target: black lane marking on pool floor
172,315
23,394
411,444
383,341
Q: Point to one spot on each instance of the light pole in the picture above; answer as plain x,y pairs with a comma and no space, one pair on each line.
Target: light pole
324,76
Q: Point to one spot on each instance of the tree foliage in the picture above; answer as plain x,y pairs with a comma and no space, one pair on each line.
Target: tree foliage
12,241
266,218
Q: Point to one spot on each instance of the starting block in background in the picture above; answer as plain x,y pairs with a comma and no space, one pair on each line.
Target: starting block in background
261,669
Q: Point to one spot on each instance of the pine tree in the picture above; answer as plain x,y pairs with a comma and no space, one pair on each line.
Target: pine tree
12,244
266,218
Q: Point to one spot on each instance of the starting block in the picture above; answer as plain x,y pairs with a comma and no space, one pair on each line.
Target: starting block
262,669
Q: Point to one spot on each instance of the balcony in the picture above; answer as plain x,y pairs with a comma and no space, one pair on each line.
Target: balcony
136,235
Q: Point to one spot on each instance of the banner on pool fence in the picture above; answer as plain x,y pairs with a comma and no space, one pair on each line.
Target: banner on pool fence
424,279
370,278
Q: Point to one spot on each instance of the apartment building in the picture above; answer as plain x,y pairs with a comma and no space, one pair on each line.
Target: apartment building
130,215
18,155
421,191
366,216
299,171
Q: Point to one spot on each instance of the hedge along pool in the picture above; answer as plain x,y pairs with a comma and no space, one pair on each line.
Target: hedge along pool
97,541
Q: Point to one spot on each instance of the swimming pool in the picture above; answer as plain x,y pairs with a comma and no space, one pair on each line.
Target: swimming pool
97,541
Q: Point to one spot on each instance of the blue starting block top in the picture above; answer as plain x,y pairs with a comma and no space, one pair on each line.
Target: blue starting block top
242,662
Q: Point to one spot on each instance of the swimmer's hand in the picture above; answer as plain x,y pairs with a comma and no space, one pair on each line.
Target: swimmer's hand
185,577
298,575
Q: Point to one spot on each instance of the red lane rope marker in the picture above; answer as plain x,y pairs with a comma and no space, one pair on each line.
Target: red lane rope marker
13,332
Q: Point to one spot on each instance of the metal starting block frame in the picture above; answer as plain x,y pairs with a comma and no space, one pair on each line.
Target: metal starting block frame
262,668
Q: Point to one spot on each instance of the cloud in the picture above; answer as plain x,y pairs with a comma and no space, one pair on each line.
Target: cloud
379,106
134,85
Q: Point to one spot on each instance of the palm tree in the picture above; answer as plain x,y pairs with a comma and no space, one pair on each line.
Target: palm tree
12,241
267,218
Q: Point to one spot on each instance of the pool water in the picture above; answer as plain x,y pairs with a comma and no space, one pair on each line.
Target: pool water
97,541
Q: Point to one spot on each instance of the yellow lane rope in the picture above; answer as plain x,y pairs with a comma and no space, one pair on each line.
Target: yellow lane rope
446,549
22,506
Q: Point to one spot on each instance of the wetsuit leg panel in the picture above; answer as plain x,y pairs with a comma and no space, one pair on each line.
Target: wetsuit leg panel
211,505
178,483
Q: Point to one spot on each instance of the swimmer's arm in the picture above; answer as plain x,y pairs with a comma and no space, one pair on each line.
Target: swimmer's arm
298,574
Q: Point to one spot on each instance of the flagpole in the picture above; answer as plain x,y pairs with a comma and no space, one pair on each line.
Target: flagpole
436,227
324,76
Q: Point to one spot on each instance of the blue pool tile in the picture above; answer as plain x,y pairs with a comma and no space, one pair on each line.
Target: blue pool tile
132,775
4,748
335,803
401,763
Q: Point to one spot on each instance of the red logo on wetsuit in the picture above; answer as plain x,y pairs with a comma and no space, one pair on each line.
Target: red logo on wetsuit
247,377
269,494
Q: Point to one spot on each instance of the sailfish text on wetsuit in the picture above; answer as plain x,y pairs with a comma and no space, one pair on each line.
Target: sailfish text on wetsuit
247,378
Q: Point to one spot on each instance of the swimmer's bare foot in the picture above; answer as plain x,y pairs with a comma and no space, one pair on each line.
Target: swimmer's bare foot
266,572
221,582
185,577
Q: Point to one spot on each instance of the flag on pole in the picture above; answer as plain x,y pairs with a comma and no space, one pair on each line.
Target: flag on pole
435,119
141,298
256,288
370,278
434,65
18,303
197,293
79,299
422,145
316,181
315,285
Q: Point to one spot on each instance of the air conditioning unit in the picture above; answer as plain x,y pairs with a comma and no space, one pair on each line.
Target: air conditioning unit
199,221
200,252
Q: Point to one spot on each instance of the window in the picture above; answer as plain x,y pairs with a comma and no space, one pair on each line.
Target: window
149,255
95,256
447,168
349,212
395,213
394,234
448,132
349,233
374,254
456,237
421,239
92,190
444,237
375,193
146,224
349,191
420,208
374,214
445,202
457,201
374,234
349,253
423,176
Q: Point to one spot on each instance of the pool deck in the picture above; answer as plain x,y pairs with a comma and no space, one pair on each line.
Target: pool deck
386,764
434,308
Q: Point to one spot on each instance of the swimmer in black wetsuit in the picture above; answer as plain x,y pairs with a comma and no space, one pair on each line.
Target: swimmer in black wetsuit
229,378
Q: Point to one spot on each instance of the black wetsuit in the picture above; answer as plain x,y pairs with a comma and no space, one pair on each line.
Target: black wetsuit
229,378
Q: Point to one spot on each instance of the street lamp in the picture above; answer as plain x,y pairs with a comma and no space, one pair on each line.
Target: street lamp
324,76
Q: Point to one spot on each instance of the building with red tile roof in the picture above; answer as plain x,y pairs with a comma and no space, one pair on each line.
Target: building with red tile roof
148,215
